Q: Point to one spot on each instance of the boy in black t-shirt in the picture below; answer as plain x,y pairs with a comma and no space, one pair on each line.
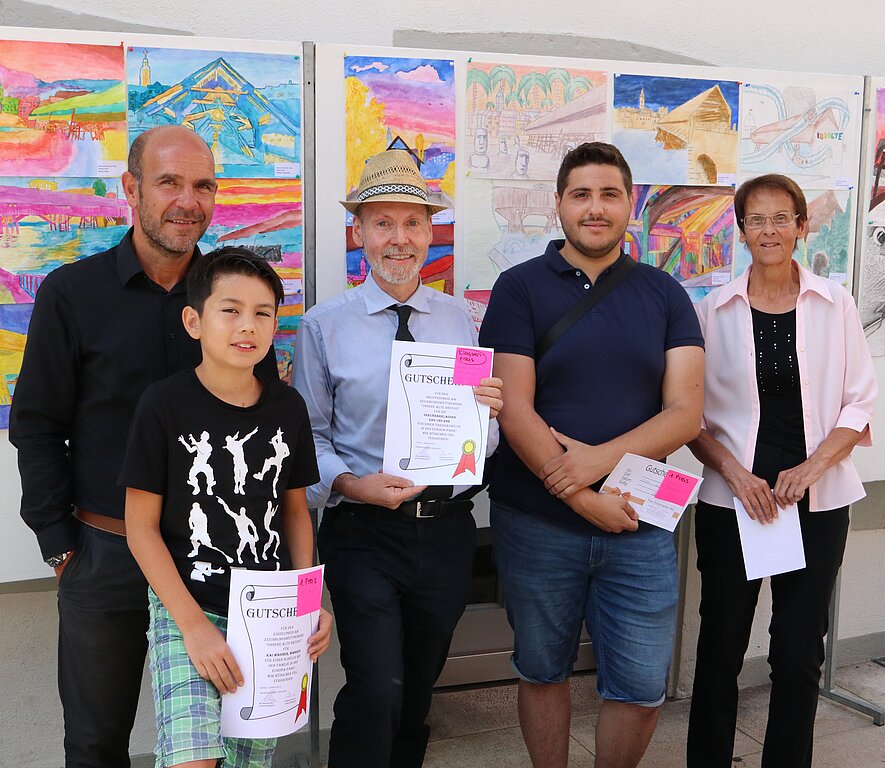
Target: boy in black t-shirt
215,473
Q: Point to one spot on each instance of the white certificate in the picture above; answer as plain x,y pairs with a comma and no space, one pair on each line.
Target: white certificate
271,614
658,492
436,430
771,548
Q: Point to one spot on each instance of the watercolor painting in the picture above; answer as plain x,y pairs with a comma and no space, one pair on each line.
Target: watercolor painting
62,109
871,298
509,223
247,106
522,120
686,231
803,131
676,130
47,222
14,320
828,248
408,104
264,215
877,191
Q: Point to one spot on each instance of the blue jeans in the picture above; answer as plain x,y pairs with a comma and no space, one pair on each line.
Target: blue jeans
623,587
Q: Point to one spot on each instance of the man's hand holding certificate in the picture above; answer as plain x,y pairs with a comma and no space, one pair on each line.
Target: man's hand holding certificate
658,492
437,431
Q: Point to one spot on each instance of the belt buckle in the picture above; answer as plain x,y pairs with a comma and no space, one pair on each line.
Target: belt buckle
419,506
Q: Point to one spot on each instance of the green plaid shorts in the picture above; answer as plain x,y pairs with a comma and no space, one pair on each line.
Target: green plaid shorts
189,708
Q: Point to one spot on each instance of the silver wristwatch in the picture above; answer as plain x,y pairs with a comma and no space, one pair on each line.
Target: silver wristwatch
57,560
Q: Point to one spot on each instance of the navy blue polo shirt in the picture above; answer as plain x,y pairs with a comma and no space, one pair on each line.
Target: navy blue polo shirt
602,378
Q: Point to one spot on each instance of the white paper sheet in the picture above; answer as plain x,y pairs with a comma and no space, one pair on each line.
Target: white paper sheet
771,548
436,430
658,492
271,614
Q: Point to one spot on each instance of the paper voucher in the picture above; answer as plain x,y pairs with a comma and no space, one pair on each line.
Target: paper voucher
436,430
271,614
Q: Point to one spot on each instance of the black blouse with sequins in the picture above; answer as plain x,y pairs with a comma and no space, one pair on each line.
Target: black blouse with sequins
777,378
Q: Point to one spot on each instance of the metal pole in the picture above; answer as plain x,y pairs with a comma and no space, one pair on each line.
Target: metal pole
829,690
683,555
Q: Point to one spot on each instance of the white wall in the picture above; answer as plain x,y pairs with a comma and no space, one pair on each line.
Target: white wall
816,35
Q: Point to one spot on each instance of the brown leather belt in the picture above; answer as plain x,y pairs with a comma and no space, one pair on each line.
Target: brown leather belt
102,522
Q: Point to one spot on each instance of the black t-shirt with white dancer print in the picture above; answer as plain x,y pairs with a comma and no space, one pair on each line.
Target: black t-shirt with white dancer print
222,471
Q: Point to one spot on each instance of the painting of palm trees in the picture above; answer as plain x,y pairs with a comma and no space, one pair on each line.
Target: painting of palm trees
522,120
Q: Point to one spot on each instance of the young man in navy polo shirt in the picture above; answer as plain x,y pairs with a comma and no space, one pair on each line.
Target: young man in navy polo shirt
626,377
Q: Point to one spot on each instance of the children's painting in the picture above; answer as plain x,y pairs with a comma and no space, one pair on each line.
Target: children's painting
247,106
522,120
803,131
62,109
408,104
509,223
264,215
686,231
47,222
877,191
677,131
14,319
828,249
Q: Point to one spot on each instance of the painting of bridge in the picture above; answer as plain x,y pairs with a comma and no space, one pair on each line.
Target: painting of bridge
247,106
409,104
687,231
62,109
805,132
677,130
265,215
47,222
523,119
510,222
14,319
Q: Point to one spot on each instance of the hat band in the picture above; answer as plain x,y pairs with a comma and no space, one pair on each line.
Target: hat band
392,189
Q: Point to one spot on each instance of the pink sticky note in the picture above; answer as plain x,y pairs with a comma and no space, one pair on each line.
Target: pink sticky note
472,365
676,488
310,592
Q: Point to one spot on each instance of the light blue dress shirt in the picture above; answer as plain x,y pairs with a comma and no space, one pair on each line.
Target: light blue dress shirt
342,368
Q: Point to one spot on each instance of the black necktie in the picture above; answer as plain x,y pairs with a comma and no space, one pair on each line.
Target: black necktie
403,312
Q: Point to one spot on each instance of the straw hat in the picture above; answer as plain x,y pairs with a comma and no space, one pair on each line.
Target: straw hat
392,177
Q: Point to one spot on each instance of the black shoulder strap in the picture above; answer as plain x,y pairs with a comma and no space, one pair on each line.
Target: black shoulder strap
599,292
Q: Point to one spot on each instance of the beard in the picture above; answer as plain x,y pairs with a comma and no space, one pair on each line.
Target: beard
396,274
599,246
152,226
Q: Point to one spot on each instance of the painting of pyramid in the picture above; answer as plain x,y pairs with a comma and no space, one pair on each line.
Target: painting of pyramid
247,106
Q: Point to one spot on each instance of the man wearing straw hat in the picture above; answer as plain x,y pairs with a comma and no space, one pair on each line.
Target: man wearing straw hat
398,557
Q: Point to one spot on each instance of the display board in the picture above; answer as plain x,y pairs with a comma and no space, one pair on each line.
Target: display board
690,134
71,103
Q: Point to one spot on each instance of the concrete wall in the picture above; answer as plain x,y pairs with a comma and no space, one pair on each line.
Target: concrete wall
757,33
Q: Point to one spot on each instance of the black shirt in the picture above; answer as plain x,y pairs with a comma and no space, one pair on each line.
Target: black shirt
222,471
777,379
100,333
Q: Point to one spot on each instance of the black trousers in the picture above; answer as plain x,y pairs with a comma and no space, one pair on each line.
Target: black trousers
103,618
398,588
800,602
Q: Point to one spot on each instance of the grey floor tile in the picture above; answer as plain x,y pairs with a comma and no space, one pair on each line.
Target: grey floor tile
493,749
865,680
667,746
753,714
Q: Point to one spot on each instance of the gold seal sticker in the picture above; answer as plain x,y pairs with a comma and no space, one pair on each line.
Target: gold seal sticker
468,447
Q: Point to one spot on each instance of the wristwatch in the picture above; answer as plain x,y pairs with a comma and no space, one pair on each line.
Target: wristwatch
57,560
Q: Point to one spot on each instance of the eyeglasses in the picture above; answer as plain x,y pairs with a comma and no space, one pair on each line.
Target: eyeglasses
756,221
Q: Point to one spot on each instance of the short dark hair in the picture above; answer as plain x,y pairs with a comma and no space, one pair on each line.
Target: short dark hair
775,181
593,153
230,260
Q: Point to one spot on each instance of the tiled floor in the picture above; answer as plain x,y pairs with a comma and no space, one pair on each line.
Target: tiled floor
478,728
